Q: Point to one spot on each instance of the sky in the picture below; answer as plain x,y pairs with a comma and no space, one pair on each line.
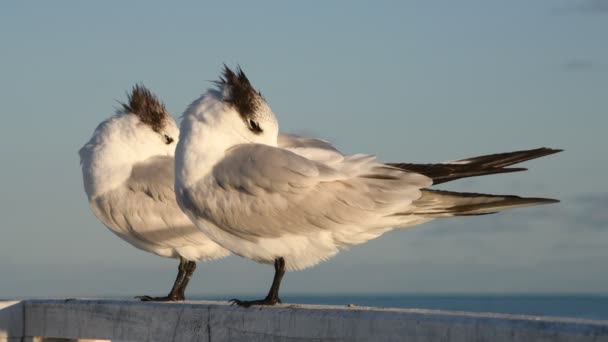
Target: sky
416,81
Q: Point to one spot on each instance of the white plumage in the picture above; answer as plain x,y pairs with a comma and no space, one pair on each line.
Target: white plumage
272,202
128,174
296,201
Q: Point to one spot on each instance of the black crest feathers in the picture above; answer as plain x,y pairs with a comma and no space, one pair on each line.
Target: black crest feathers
241,94
150,110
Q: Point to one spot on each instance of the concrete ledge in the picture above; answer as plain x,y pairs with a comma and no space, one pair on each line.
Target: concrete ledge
218,321
11,321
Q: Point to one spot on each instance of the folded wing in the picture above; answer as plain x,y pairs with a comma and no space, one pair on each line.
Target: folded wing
313,149
145,208
261,191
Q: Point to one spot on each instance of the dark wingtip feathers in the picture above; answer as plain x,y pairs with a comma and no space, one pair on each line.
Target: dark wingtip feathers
510,158
441,203
146,106
551,150
476,166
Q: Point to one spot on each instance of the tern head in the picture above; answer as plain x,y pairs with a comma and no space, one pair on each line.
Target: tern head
238,110
141,129
141,126
149,120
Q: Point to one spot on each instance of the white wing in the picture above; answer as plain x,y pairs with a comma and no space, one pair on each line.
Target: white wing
313,149
145,213
294,141
259,191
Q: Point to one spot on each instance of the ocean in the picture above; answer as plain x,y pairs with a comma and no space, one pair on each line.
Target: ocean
573,306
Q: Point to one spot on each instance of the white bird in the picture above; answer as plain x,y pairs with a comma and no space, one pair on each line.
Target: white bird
296,203
128,174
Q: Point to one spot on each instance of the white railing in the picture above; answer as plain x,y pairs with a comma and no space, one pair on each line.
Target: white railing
79,319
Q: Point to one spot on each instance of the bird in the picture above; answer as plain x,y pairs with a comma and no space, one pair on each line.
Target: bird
127,170
294,203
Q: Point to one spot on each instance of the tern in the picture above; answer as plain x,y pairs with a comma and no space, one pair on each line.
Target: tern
296,204
128,174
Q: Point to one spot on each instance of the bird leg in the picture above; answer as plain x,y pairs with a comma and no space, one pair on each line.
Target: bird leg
189,269
177,292
273,295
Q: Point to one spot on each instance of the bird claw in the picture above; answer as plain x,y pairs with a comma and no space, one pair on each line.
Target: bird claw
159,299
238,302
248,303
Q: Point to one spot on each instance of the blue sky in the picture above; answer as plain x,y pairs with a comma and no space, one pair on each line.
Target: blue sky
406,80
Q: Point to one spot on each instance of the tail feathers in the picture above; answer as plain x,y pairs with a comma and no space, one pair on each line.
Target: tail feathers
475,166
437,203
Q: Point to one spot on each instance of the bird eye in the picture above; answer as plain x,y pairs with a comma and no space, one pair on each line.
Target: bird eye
168,139
254,126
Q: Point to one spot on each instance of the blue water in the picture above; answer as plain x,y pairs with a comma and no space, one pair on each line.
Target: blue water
575,306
